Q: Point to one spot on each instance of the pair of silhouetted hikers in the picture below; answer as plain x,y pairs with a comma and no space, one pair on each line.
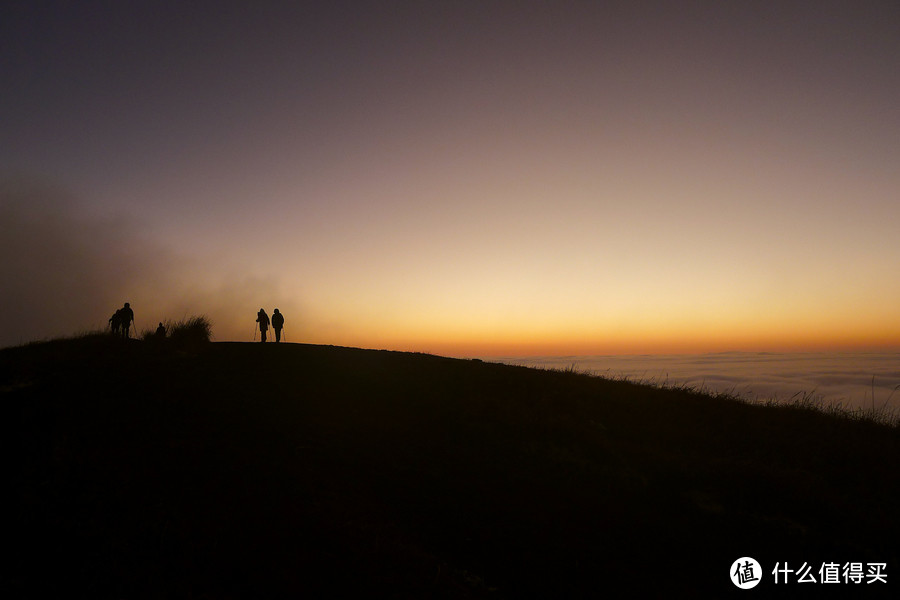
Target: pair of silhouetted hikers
120,322
263,319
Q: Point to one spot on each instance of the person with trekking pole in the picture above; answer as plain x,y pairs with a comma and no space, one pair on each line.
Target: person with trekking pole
277,324
263,319
126,318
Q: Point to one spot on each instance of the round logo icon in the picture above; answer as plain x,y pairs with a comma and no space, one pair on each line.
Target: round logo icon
746,573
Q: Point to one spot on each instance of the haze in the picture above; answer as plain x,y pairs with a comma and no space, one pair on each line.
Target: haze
464,178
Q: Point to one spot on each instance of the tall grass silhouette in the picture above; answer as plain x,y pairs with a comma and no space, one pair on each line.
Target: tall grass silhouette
184,334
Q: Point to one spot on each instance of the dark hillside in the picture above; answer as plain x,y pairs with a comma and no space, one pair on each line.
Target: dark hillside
260,471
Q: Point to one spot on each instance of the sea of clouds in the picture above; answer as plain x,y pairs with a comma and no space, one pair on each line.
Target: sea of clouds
853,379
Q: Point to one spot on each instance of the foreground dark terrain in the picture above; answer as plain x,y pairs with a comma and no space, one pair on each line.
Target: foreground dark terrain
257,471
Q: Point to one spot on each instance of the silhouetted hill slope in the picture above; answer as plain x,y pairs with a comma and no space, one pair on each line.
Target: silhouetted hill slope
252,471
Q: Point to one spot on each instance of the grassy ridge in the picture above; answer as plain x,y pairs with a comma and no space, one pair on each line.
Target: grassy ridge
250,470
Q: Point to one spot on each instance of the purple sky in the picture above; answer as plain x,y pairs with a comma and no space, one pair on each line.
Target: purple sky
457,177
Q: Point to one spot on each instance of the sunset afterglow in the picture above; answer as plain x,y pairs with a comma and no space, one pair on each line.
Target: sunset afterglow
477,179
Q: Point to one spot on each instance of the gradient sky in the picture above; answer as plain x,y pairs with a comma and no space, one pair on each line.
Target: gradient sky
463,178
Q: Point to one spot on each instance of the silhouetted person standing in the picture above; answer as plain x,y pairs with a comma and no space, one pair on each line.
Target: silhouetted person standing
160,331
126,318
263,319
277,324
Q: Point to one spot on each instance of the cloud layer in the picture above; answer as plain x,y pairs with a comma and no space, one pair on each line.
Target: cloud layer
847,378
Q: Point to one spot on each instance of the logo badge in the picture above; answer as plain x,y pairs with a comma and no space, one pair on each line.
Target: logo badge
746,573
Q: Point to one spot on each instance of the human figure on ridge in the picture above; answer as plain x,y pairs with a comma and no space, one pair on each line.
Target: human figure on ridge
115,322
161,331
263,319
126,318
277,324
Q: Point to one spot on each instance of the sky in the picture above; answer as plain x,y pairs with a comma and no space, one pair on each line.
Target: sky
488,178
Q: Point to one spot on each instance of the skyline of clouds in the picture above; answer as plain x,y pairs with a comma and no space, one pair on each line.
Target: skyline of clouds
847,378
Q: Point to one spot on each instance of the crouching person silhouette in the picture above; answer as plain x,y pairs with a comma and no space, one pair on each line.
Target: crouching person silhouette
263,319
115,322
277,324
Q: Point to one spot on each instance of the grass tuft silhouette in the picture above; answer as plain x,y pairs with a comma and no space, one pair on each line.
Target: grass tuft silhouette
189,333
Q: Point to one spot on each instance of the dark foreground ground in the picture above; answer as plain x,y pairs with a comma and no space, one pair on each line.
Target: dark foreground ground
264,471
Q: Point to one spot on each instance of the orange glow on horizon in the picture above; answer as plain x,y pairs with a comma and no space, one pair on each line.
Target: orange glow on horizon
615,184
534,341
